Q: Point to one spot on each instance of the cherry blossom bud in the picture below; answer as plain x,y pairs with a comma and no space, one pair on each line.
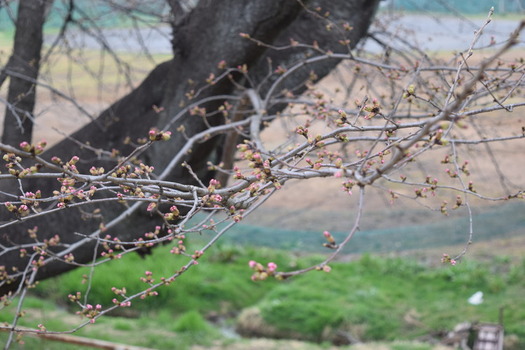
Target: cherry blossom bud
272,266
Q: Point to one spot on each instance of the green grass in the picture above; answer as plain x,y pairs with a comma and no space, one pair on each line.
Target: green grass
160,329
372,298
375,299
379,293
213,285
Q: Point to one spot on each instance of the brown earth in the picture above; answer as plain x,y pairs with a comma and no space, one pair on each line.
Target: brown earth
315,204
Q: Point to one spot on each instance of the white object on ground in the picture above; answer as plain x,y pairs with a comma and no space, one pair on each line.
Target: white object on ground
476,298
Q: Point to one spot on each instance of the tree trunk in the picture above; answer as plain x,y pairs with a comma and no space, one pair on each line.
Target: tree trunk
208,35
25,60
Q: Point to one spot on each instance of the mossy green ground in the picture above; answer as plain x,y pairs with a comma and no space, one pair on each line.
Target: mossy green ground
380,299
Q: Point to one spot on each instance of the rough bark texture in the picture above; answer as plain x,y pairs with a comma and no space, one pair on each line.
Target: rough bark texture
209,34
25,60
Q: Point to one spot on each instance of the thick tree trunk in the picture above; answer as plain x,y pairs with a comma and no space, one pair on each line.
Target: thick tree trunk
25,60
208,35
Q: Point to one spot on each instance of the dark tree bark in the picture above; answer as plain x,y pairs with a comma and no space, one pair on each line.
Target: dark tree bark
25,60
209,34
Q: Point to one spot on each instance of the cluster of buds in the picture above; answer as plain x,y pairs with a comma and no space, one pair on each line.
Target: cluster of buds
238,174
410,91
121,303
180,247
149,293
446,259
90,311
200,111
316,141
153,205
117,291
342,118
262,169
29,198
300,130
280,70
222,64
155,135
261,272
38,263
11,159
123,171
236,215
33,149
313,164
96,171
451,173
372,110
331,241
15,169
154,234
149,277
141,243
324,268
211,79
75,297
443,208
212,200
214,184
433,184
110,249
421,192
393,196
122,293
52,242
21,210
196,255
173,214
438,138
110,254
464,168
68,191
347,186
361,155
69,165
4,275
143,169
459,202
225,109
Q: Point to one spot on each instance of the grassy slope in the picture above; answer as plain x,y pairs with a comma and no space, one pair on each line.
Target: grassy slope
374,298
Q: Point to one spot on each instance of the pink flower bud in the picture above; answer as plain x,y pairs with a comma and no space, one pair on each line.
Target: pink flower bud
272,266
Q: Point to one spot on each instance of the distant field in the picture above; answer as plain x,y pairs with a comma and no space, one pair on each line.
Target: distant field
498,222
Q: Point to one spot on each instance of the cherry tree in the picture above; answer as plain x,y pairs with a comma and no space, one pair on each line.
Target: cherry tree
189,142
